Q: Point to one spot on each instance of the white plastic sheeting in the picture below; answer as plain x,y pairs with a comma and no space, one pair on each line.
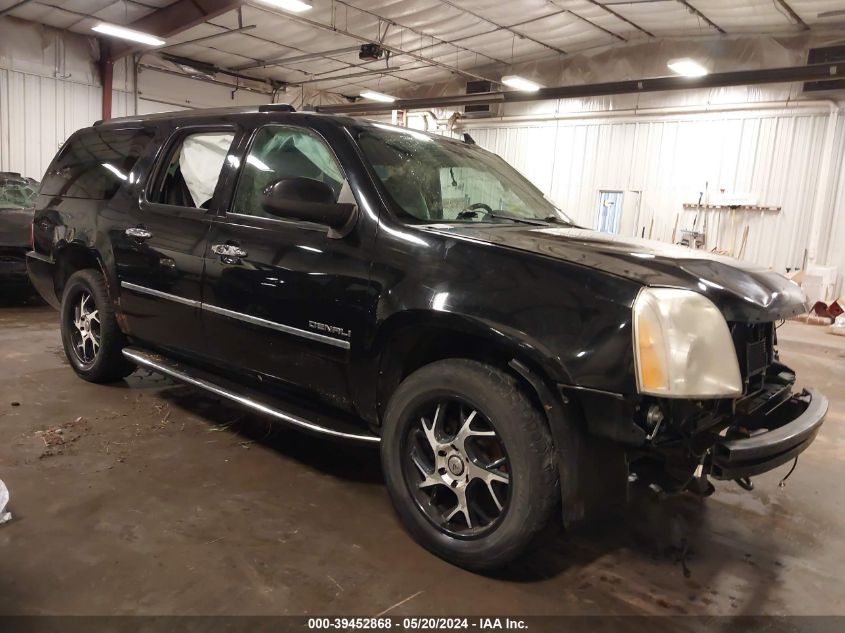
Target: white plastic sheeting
439,35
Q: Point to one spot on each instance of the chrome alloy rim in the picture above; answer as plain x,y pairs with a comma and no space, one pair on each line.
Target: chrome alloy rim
456,468
85,331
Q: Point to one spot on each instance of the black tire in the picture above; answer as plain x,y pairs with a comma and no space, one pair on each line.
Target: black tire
103,362
532,493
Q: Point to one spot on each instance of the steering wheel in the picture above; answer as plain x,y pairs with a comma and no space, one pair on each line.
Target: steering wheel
479,205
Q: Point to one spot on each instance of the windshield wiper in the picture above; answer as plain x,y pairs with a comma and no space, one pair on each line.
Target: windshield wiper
553,219
514,218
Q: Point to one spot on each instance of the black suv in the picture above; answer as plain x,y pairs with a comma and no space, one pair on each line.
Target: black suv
377,284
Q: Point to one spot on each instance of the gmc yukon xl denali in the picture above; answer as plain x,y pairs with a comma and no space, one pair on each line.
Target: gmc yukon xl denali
376,284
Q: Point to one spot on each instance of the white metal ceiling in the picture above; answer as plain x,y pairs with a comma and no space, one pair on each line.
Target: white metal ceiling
432,40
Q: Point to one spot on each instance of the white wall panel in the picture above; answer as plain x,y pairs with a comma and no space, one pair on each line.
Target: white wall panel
37,114
774,157
835,255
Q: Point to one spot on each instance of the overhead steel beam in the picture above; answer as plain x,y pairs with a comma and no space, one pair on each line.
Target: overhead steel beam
795,17
207,38
175,18
297,58
418,32
341,77
698,13
600,28
17,5
393,49
810,72
619,16
478,16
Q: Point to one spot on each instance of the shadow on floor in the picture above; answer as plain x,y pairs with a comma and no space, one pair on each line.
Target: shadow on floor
681,544
16,296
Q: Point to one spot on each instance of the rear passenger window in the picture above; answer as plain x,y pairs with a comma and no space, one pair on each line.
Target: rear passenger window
94,163
193,168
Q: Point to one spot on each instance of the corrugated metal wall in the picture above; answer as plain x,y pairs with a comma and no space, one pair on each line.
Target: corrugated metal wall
662,163
835,255
37,114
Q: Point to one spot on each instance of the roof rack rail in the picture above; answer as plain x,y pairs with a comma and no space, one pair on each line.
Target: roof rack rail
276,107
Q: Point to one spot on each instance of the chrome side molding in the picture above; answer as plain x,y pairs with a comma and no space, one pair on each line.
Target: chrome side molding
240,316
158,293
273,325
151,361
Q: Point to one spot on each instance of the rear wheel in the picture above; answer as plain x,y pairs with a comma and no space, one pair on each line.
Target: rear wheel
469,463
92,341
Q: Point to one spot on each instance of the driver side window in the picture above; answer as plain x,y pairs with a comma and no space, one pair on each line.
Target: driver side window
279,151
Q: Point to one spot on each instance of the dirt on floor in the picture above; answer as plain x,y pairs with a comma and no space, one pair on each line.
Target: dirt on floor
153,498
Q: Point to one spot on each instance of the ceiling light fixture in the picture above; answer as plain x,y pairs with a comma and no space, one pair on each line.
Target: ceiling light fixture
377,96
687,67
520,83
128,34
297,6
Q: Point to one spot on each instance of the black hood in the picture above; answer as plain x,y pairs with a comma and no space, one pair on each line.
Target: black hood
743,291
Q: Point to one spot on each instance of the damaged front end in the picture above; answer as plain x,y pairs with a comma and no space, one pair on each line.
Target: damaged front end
766,426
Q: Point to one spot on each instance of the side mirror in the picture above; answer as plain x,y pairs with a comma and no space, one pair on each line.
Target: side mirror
309,200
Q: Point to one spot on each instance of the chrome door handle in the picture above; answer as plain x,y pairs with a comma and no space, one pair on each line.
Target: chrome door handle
228,250
138,232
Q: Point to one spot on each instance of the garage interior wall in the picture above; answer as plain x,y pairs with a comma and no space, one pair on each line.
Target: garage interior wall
49,88
660,162
659,150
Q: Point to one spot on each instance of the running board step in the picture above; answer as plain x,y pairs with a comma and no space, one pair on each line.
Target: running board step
247,397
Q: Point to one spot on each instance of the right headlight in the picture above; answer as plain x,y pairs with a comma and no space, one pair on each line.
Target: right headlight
682,346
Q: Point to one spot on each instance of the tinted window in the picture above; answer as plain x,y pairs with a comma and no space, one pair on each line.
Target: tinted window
94,163
193,168
284,152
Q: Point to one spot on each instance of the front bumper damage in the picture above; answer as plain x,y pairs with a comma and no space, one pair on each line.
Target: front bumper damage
770,438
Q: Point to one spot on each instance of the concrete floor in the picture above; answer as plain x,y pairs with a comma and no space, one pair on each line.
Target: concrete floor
156,499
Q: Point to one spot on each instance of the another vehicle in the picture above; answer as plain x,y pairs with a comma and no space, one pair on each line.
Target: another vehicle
377,284
17,201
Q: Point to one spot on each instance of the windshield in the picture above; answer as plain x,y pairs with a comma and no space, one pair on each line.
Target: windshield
436,180
17,194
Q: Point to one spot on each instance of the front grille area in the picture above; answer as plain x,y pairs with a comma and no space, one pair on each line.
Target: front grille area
755,351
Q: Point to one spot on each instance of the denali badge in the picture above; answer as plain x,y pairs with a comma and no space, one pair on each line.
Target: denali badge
331,329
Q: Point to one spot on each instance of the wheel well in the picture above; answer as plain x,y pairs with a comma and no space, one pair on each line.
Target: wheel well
405,354
69,260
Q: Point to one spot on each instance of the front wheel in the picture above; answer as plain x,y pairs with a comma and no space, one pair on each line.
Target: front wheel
469,463
92,340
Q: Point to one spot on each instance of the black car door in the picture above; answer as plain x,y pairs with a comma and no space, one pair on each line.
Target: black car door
159,252
282,298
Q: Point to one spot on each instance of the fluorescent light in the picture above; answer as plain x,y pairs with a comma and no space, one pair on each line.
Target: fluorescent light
687,67
377,96
127,34
297,6
520,83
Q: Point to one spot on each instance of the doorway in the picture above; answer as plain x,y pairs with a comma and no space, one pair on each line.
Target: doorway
609,211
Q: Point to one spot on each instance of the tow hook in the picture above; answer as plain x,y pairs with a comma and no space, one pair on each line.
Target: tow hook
745,483
699,484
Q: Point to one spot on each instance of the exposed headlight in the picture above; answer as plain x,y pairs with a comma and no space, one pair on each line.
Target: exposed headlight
682,346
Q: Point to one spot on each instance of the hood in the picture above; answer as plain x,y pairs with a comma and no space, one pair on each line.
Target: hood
742,291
